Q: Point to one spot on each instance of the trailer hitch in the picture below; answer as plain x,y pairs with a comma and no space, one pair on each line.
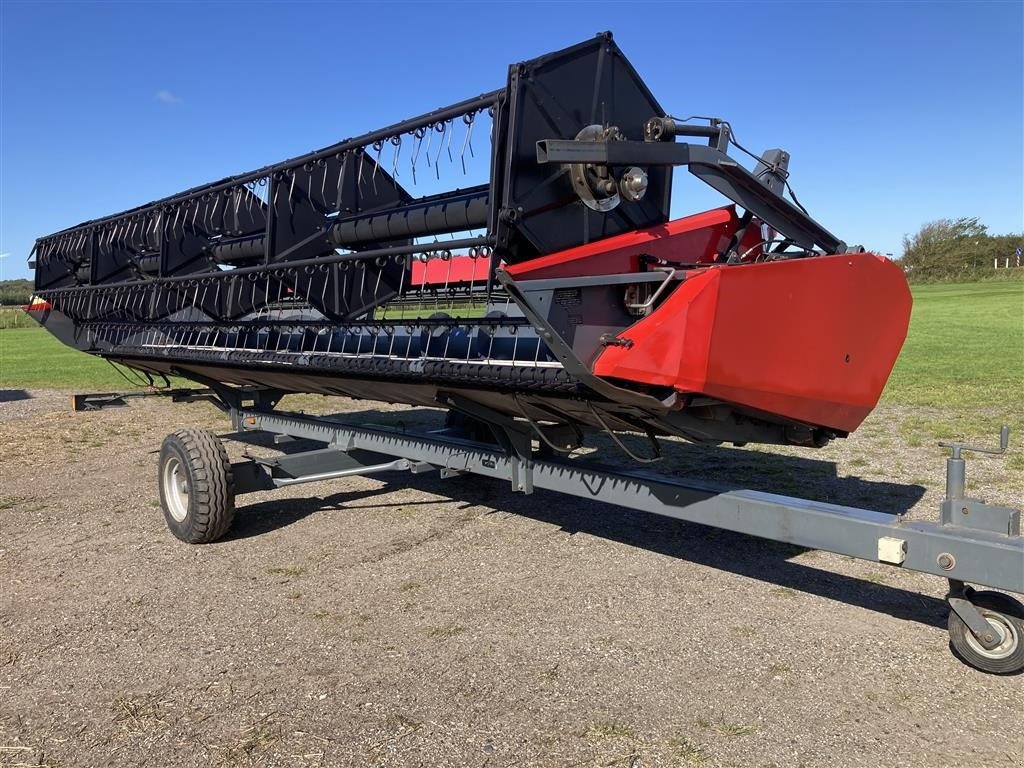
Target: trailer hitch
956,465
959,510
985,517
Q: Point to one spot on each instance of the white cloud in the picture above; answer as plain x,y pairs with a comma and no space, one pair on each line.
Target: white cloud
167,97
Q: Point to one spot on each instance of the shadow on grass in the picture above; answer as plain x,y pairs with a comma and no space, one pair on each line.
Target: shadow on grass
764,560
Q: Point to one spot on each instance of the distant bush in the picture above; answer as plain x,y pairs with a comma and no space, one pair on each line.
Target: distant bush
959,250
15,292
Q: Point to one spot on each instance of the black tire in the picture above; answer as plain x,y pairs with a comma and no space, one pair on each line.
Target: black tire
197,490
1006,616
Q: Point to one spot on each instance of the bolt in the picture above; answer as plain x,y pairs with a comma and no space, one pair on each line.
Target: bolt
633,184
946,561
964,511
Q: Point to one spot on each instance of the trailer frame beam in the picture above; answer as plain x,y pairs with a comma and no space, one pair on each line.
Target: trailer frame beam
952,551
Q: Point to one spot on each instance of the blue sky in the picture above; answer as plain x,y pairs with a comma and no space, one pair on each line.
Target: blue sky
895,113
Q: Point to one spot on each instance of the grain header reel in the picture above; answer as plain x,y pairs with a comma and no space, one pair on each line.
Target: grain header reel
556,290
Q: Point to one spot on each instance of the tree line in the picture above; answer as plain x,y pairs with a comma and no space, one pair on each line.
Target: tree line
958,249
15,292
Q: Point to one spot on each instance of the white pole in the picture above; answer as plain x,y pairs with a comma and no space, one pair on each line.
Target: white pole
995,263
1007,262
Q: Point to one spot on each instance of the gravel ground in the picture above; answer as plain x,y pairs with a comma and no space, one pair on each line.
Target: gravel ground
409,621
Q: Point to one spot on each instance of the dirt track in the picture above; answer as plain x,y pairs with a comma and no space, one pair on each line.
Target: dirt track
379,622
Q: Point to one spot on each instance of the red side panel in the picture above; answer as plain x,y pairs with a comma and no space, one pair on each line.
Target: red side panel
457,269
694,239
813,339
36,305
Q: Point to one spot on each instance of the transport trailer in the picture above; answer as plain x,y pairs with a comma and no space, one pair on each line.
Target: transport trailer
544,296
972,543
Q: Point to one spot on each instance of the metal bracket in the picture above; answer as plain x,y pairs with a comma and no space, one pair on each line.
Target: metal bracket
709,164
974,513
515,438
95,401
960,603
231,399
569,361
259,474
956,510
389,466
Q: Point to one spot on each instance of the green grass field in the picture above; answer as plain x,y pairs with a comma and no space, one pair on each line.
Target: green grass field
961,371
965,347
964,354
30,358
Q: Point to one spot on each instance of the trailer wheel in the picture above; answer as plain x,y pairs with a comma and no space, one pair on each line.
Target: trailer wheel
1006,617
196,487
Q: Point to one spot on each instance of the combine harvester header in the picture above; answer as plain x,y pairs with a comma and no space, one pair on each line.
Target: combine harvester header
326,275
548,297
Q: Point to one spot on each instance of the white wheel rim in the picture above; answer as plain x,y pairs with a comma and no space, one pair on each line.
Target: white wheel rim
1004,630
175,483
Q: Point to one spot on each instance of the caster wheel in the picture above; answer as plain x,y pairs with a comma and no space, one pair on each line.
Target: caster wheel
196,487
1006,617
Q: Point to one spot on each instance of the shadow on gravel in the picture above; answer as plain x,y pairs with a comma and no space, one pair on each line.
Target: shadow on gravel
767,561
761,559
13,395
267,516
